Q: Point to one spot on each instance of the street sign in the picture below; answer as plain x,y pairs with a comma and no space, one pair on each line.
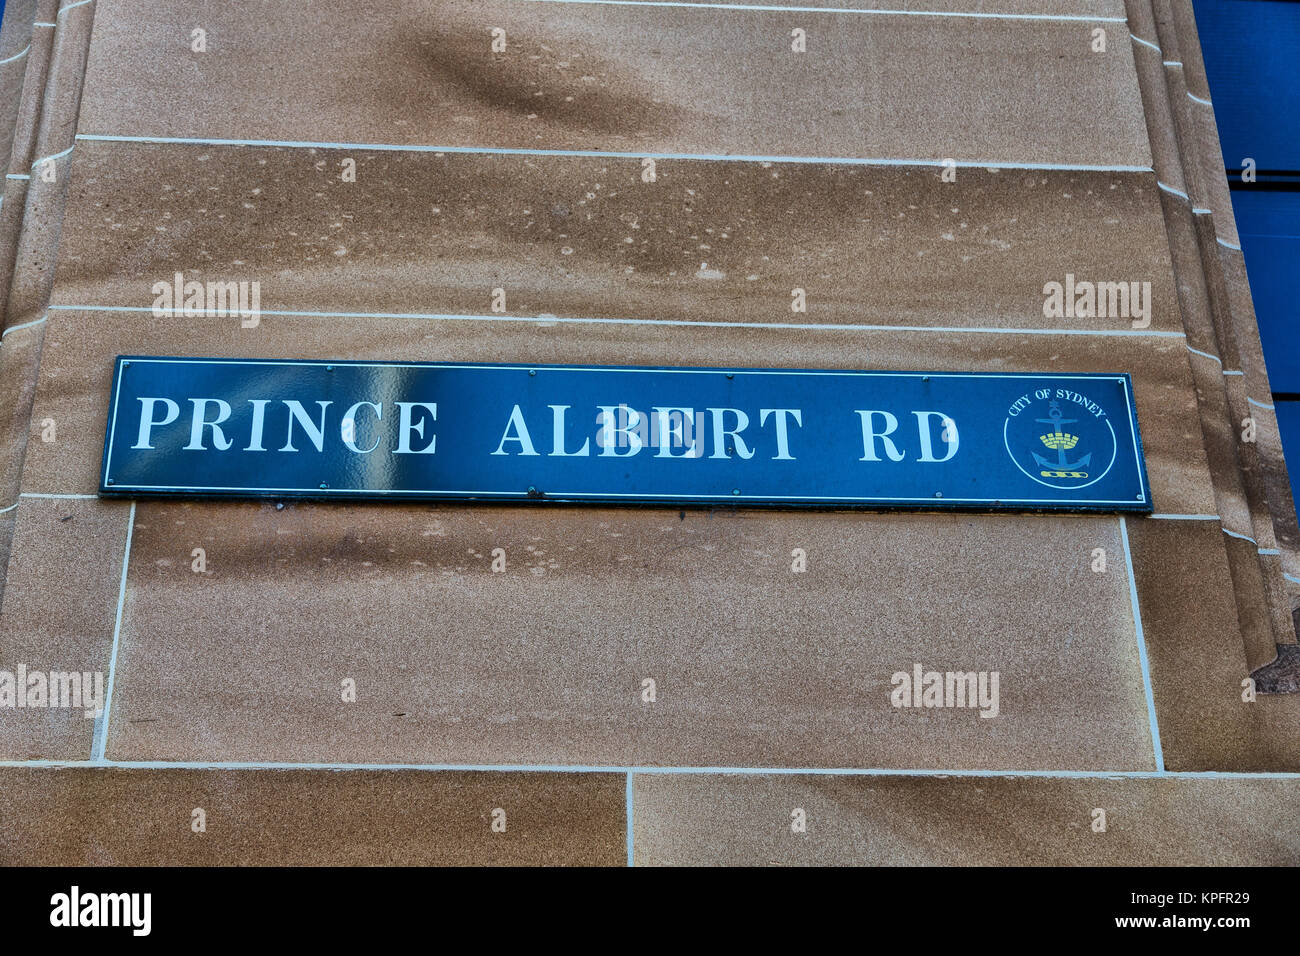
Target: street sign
267,428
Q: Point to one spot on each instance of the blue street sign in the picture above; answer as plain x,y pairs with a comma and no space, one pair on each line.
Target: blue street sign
264,428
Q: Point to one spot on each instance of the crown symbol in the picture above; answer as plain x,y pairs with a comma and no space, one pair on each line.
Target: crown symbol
1059,441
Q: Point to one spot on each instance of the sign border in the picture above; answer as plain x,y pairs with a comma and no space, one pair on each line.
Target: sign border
1142,504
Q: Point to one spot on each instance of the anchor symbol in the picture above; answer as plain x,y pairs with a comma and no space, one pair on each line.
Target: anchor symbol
1062,442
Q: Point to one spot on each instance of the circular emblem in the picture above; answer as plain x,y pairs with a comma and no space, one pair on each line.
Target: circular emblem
1060,438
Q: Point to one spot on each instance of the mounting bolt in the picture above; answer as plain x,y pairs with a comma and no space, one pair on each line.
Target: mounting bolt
532,371
323,485
735,491
938,494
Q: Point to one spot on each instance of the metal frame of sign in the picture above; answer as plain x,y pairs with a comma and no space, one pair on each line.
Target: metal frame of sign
1127,445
